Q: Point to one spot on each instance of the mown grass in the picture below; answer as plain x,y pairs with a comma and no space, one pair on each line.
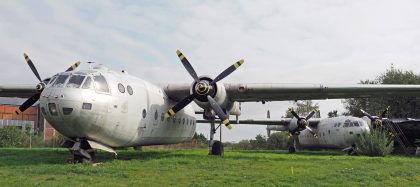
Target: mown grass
49,167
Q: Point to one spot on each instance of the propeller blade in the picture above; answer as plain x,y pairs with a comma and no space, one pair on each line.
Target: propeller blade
28,103
367,114
31,65
179,106
310,115
312,131
74,66
385,112
216,108
187,65
228,71
294,113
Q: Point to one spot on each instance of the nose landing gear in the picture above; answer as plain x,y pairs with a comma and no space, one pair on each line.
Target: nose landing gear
82,152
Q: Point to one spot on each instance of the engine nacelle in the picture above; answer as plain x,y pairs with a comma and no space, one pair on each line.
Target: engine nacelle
219,95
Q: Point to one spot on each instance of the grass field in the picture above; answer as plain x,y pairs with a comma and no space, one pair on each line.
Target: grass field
48,167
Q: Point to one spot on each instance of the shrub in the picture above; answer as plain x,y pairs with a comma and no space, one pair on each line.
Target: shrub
376,143
259,143
57,141
277,140
241,145
11,136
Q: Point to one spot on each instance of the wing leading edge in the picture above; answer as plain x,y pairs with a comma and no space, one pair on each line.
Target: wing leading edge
256,92
280,92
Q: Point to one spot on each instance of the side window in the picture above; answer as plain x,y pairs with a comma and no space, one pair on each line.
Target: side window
75,81
144,113
129,90
60,81
100,84
87,84
121,88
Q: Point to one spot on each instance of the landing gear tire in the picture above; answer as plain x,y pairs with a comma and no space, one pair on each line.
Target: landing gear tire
79,158
217,149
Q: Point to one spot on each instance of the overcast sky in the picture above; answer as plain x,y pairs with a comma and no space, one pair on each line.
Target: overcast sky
323,41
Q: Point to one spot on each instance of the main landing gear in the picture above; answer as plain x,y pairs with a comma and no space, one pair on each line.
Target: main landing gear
293,141
215,147
82,152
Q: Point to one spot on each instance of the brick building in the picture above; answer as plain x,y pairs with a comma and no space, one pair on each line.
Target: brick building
32,117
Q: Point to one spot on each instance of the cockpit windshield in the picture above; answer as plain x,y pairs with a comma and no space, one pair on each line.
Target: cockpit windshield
88,83
75,81
61,79
100,84
52,80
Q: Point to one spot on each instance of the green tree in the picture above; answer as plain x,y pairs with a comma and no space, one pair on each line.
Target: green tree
242,145
333,113
277,140
401,106
11,136
200,138
259,143
302,108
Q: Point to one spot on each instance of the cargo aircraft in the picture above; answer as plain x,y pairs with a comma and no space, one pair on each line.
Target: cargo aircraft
100,108
314,133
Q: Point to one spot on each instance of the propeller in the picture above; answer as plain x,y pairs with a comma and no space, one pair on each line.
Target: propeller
204,89
39,87
302,122
375,120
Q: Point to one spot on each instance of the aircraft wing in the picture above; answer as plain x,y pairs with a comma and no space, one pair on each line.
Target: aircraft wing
254,92
279,92
21,91
280,122
283,122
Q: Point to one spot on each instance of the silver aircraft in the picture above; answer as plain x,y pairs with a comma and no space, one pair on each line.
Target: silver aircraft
104,109
314,133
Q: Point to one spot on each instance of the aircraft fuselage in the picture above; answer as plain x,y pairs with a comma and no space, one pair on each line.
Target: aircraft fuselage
115,109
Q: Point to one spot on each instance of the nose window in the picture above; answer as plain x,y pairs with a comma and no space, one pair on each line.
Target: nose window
100,84
75,81
60,81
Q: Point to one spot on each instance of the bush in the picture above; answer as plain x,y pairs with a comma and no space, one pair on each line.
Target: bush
241,145
376,143
259,143
277,140
11,136
57,141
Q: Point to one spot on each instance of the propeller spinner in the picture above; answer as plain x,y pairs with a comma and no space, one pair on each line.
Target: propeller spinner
302,122
39,87
375,120
202,88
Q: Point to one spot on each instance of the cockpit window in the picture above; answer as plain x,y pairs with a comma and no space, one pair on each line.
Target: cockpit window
87,84
52,80
100,84
75,81
61,79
